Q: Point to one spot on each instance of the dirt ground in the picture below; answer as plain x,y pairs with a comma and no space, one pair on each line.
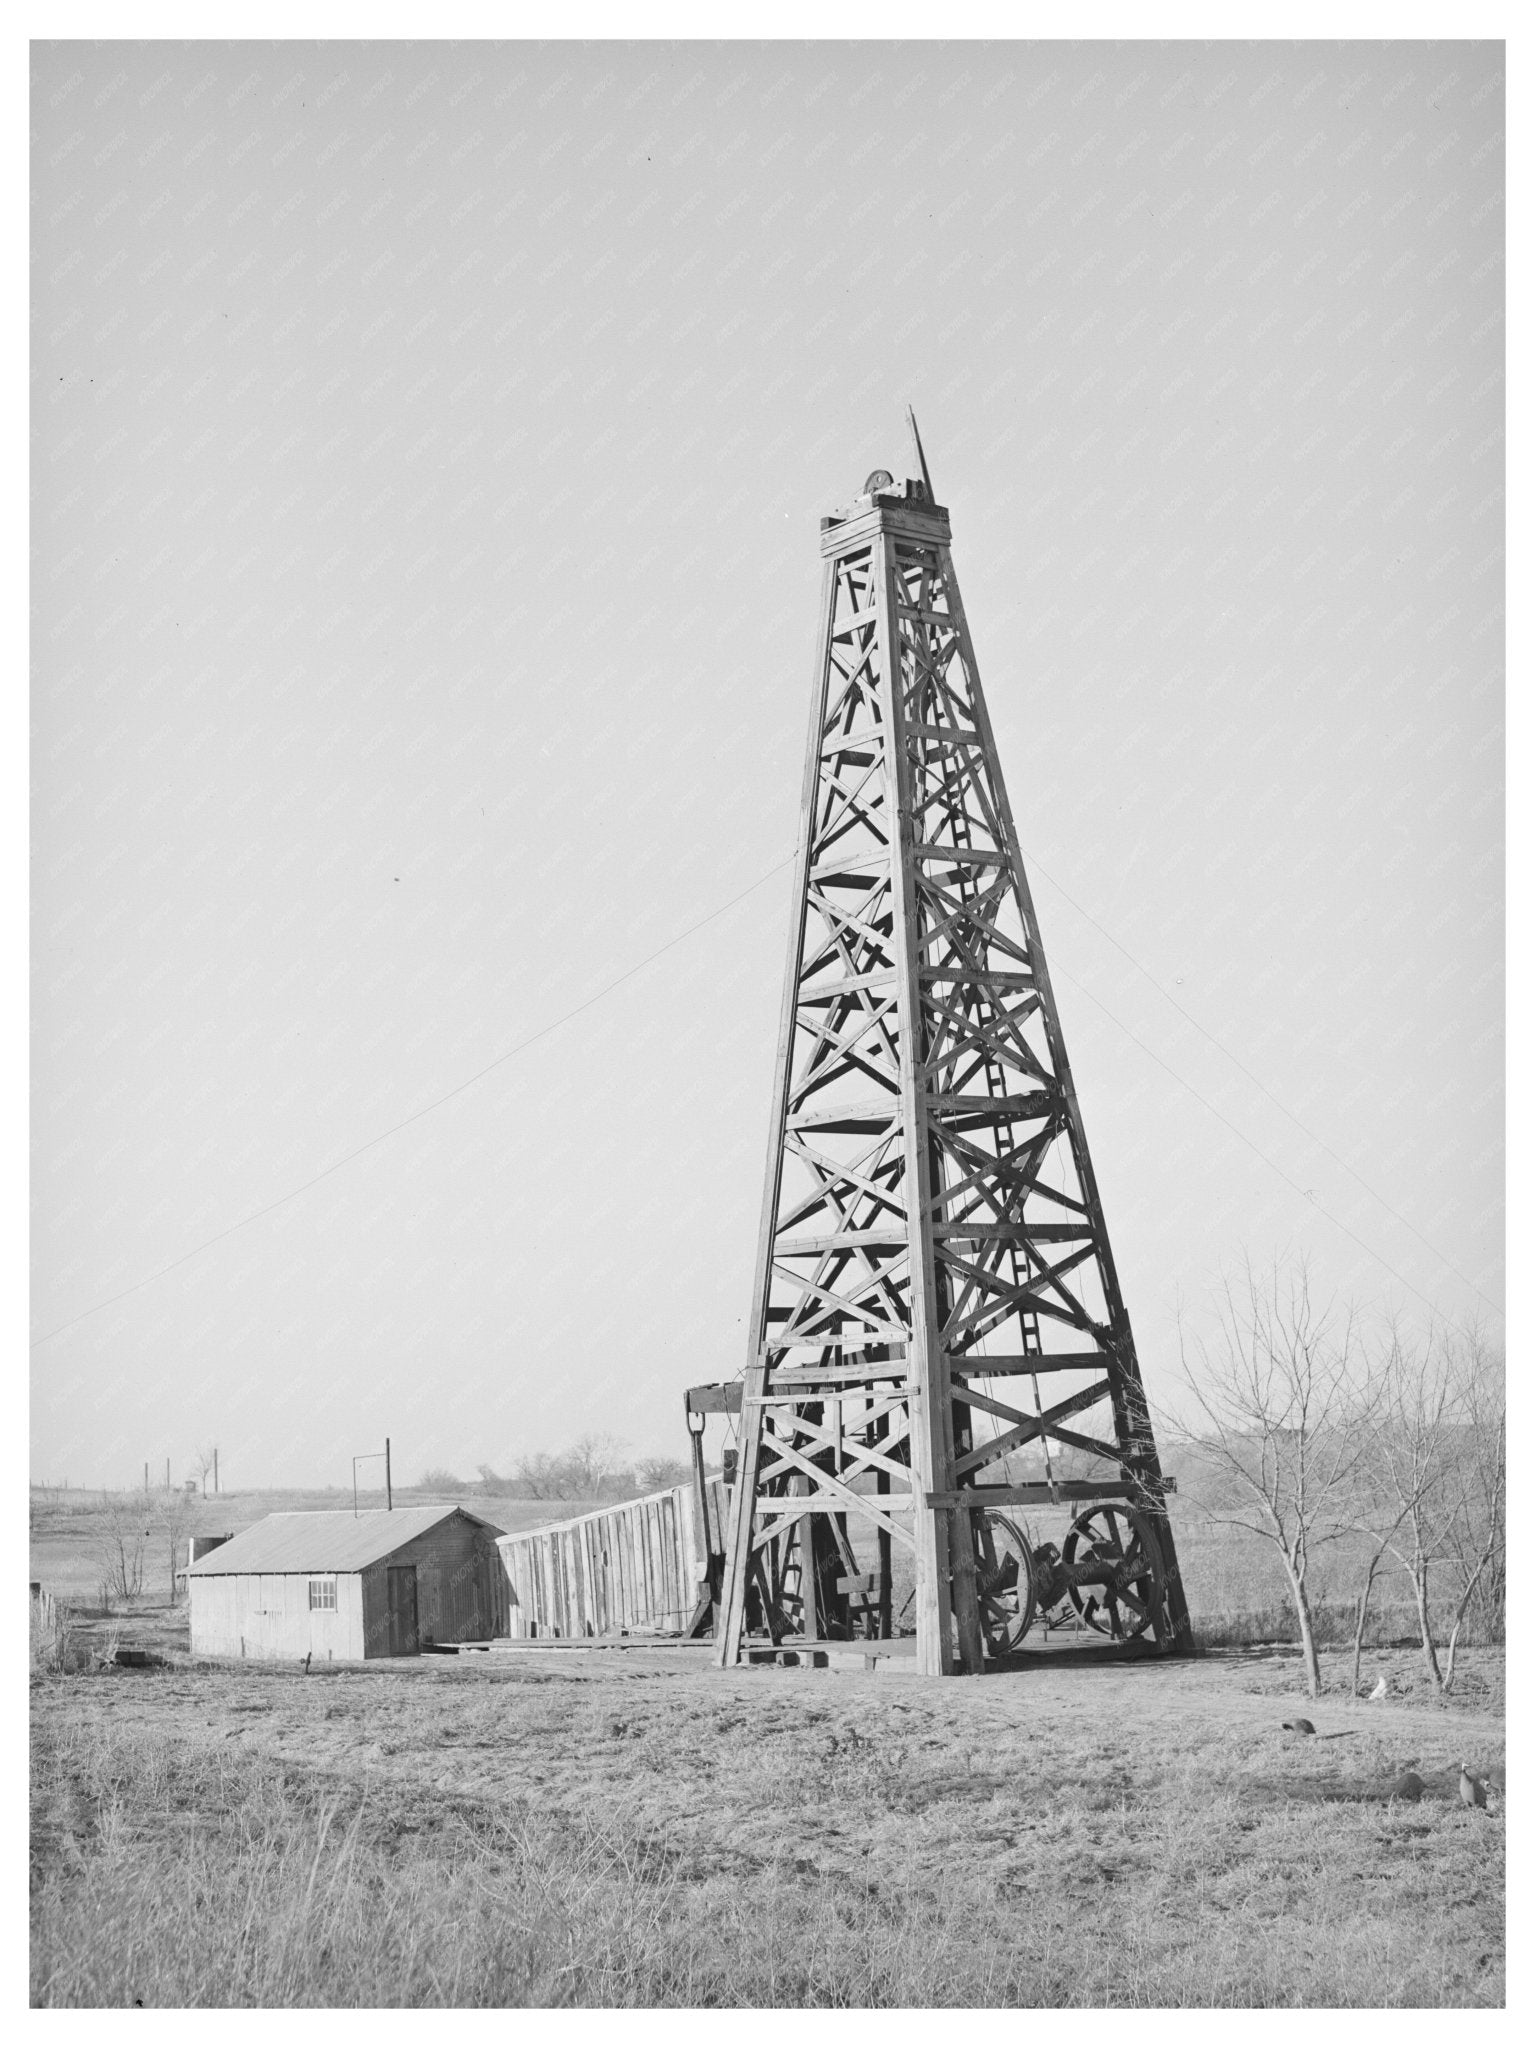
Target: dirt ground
1157,1816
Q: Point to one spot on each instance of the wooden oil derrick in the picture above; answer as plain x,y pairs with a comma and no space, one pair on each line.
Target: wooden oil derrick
933,1250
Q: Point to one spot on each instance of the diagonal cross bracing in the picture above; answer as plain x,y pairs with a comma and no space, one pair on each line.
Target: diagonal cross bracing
930,1198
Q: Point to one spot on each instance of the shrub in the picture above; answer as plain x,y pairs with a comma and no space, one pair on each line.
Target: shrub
655,1473
589,1470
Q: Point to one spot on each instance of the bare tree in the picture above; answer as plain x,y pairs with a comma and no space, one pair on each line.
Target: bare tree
653,1474
1478,1536
1281,1405
1383,1506
119,1535
1380,1546
169,1523
593,1464
1415,1454
203,1460
1441,1460
589,1470
1378,1520
537,1477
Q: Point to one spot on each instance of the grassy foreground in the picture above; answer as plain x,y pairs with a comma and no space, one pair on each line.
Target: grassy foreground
631,1834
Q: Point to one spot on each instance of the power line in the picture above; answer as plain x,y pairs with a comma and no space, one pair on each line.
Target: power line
416,1115
1374,1193
556,1023
1248,1142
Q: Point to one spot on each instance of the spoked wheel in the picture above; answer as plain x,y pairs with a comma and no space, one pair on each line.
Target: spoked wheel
1004,1582
1114,1571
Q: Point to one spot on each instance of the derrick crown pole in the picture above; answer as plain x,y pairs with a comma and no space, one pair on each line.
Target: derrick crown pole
933,1250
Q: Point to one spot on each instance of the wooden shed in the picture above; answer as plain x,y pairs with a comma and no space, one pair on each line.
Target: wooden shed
335,1584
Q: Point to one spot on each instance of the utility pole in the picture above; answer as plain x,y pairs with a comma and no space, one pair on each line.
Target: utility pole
167,1475
361,1458
215,1468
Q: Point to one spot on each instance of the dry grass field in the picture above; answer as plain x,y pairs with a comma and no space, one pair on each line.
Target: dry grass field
634,1828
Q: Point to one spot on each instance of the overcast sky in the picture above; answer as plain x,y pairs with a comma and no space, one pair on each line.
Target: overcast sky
428,448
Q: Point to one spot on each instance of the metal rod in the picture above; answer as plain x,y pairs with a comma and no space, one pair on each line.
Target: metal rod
927,481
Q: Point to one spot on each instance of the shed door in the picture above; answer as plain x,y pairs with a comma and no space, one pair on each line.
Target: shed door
400,1580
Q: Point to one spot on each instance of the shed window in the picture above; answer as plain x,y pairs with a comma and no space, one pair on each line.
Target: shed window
322,1592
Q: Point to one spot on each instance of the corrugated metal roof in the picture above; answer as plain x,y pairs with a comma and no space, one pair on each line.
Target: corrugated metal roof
324,1540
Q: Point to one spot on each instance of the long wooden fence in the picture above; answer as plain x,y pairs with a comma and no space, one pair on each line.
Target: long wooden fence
637,1567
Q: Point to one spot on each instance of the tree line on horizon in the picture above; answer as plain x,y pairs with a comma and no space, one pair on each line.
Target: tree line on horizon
593,1468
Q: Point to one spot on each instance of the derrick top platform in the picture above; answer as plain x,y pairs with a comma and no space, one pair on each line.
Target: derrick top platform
885,506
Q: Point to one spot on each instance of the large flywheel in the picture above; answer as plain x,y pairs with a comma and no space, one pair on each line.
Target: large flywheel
1114,1572
1004,1578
